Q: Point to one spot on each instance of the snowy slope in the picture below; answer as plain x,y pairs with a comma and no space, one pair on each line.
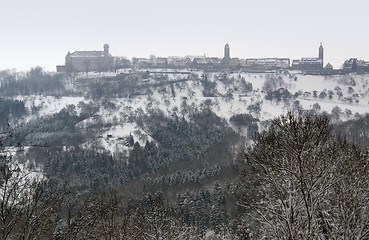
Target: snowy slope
348,93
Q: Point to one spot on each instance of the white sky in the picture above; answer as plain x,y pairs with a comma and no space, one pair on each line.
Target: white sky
41,32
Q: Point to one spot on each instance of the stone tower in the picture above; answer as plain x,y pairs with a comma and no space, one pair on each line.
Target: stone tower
106,48
321,53
227,54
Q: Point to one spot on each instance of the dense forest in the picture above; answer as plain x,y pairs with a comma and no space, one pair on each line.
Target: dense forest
185,174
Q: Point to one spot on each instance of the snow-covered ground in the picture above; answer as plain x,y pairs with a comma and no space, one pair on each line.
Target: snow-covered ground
350,93
116,139
47,105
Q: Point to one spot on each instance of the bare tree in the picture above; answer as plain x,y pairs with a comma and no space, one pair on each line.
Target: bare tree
156,221
13,188
303,181
27,209
348,217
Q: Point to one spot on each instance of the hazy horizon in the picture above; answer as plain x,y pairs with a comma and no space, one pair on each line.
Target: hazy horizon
40,33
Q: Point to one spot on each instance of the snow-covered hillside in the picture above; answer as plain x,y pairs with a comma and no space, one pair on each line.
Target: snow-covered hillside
344,96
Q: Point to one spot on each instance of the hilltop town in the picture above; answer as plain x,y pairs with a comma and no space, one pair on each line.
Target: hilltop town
102,61
162,137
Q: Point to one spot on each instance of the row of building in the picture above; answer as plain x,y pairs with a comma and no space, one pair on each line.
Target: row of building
101,61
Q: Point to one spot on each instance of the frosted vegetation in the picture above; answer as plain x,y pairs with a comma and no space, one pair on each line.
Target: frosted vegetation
165,145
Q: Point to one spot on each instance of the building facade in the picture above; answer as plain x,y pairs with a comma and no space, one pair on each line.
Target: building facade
355,65
89,61
267,63
311,64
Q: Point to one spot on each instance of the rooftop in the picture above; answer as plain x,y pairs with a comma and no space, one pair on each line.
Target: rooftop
89,54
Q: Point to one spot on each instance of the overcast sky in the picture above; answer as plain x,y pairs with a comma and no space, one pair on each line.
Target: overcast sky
41,32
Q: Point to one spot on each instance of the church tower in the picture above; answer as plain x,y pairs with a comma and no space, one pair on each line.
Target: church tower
106,48
227,54
321,52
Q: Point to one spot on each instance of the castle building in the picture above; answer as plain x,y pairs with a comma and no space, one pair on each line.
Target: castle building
310,64
355,65
89,61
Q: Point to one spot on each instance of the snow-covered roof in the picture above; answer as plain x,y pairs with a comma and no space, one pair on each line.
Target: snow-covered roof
84,54
200,61
328,66
267,60
213,60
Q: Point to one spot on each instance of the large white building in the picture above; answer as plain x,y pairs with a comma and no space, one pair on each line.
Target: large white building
88,61
268,63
